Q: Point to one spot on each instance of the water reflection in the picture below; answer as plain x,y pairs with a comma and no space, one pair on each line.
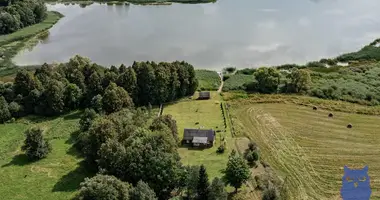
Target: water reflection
243,33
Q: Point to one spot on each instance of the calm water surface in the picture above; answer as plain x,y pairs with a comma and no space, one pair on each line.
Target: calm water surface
242,33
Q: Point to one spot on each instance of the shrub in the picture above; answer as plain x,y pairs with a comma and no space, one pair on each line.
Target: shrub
103,187
5,115
35,145
271,194
221,149
87,118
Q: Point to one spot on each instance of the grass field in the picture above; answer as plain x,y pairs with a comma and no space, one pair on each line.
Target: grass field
207,80
308,149
237,82
55,177
208,114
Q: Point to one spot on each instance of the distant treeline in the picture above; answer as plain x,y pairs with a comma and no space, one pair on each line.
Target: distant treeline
52,90
18,14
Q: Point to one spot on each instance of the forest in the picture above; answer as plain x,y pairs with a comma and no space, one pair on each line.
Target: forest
18,14
54,89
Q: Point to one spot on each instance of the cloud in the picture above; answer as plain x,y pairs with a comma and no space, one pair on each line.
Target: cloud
270,24
268,10
334,12
304,21
264,48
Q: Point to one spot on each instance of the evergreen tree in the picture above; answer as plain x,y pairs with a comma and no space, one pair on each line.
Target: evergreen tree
203,184
217,190
142,191
35,145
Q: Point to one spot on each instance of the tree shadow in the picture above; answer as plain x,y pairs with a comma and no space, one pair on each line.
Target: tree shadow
73,141
19,160
71,181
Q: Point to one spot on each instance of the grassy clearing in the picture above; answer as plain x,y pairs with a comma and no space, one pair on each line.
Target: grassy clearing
237,82
10,44
207,80
208,114
307,148
341,106
55,177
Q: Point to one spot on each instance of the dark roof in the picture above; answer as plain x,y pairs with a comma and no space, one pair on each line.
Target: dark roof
204,95
189,134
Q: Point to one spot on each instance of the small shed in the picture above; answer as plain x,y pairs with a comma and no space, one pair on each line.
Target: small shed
204,95
199,137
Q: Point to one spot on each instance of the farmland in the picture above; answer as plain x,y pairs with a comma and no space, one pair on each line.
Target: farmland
207,80
208,114
308,149
56,177
237,82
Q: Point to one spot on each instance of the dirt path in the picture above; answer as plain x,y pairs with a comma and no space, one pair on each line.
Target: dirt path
221,83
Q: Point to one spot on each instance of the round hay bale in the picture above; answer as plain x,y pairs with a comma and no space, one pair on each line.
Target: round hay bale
315,108
349,126
331,115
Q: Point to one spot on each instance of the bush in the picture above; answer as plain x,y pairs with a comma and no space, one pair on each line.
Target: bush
142,191
35,145
221,149
5,115
271,194
103,187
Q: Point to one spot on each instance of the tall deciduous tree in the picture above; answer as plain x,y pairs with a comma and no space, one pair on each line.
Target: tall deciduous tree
145,82
87,119
237,171
73,96
24,83
103,187
300,81
115,98
53,98
167,120
128,80
267,79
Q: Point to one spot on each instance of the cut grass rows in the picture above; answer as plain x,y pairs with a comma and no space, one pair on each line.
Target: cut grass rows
308,149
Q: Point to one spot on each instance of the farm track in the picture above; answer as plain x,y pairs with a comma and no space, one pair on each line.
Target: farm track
309,149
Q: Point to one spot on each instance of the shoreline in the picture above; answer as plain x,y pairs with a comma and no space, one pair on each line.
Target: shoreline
133,2
11,44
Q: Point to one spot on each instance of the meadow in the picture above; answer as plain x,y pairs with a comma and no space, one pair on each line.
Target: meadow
308,149
237,82
207,114
56,177
207,80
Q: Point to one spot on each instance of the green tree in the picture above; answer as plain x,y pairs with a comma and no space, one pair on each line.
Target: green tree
267,79
142,191
52,99
145,82
162,78
109,77
167,120
87,119
73,96
100,131
237,171
192,179
44,73
300,81
35,145
24,83
15,109
103,187
115,98
8,23
217,190
203,184
94,85
32,100
97,103
128,80
5,115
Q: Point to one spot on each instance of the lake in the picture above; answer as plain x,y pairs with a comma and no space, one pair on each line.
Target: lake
241,33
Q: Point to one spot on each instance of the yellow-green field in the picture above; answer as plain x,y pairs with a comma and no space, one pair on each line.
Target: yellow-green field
208,114
308,149
56,177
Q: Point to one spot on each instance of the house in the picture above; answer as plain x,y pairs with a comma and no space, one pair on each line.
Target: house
204,95
199,137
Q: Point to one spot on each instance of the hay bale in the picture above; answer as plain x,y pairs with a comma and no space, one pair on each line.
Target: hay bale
349,126
331,115
315,108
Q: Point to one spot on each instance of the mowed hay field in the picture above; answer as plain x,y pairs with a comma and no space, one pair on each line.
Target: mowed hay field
307,149
55,177
208,114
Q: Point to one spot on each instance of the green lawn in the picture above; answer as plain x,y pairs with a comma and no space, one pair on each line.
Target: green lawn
55,177
208,114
